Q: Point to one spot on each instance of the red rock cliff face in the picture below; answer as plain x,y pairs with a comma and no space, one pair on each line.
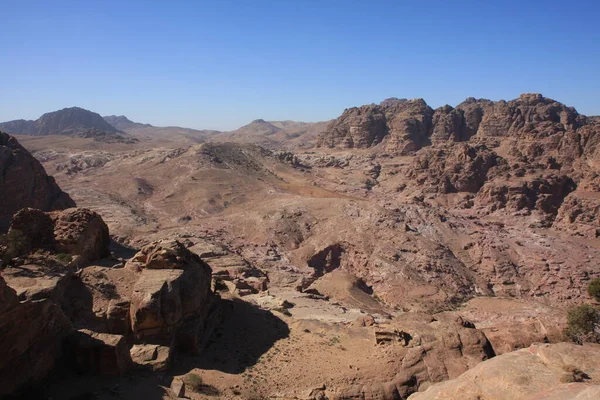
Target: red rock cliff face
401,126
24,183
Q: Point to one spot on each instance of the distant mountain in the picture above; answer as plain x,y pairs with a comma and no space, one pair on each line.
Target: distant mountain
68,121
275,134
123,123
259,127
73,121
160,135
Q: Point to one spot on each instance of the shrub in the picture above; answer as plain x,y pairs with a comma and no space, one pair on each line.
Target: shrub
582,322
194,382
64,258
14,244
573,374
594,289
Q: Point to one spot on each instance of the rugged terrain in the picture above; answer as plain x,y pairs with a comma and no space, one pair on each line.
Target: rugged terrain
404,248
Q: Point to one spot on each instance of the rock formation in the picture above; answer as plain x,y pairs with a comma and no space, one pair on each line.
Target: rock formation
24,183
542,371
161,301
32,339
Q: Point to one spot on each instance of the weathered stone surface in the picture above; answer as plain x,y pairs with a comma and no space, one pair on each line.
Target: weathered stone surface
36,226
544,194
404,124
538,372
162,298
153,356
117,317
32,340
99,353
580,214
178,387
37,282
81,232
453,168
24,183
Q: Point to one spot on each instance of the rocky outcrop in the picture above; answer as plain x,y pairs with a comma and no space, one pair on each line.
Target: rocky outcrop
24,183
431,350
174,286
543,126
542,371
580,214
544,194
99,353
405,125
81,232
453,168
32,339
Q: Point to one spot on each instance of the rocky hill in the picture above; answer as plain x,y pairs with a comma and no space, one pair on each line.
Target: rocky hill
403,126
123,123
274,134
74,121
24,183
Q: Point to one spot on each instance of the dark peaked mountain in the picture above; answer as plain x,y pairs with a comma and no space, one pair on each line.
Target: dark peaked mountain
68,121
73,121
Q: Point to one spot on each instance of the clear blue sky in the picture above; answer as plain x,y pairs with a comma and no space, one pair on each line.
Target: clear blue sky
220,64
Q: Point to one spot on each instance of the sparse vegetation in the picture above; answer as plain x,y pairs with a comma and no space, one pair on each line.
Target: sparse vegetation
64,258
594,289
220,286
12,245
573,374
194,382
582,324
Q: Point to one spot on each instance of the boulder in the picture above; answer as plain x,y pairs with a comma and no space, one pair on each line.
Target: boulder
32,340
163,297
36,227
81,232
152,356
99,353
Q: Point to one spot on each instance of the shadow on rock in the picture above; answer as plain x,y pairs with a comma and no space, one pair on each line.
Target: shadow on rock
120,250
246,333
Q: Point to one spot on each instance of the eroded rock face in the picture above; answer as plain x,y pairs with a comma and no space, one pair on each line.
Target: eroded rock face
580,214
453,168
81,232
545,194
404,124
24,183
542,371
434,351
542,126
174,285
99,353
32,339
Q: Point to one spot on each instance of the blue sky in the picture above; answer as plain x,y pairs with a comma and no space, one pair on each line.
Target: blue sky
221,64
